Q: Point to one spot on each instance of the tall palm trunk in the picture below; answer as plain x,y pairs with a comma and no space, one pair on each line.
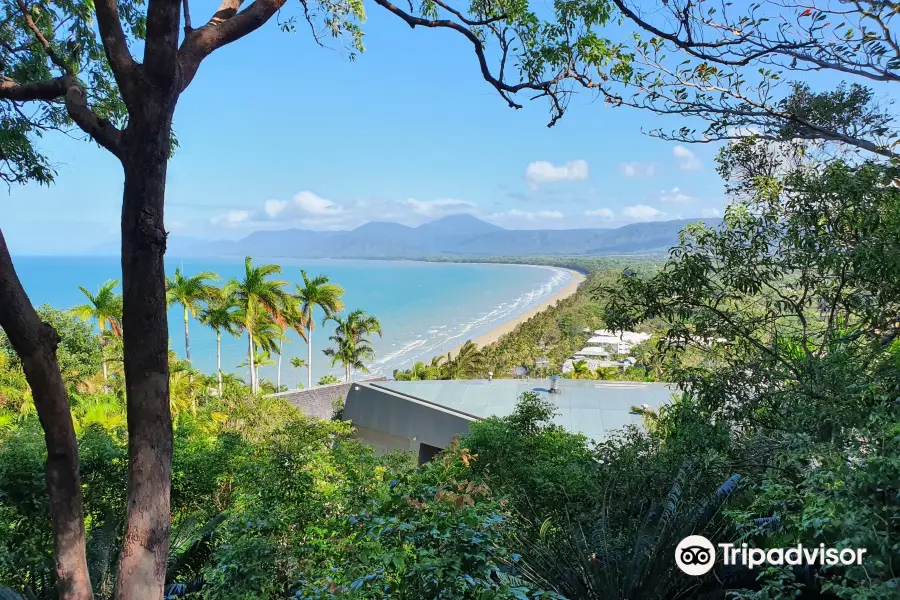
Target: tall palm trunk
278,376
308,357
103,343
347,373
251,361
187,339
219,359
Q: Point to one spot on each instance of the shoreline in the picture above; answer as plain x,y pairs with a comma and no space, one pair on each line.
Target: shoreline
576,279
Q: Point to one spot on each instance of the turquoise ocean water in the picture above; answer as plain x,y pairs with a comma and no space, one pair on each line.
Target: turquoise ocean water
425,308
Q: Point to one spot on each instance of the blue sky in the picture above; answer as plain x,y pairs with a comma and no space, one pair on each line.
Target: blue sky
278,132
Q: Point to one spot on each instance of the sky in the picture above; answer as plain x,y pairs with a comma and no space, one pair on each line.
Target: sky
277,132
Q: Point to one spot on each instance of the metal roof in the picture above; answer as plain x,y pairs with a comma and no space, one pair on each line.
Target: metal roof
589,407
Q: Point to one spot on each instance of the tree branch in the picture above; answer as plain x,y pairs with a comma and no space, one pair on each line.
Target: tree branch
546,88
123,65
161,46
48,49
35,343
226,25
187,18
48,90
102,131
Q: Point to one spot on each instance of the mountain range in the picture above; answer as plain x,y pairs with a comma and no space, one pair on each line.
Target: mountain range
454,235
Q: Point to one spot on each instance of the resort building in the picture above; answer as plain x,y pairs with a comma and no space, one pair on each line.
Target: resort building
424,416
603,346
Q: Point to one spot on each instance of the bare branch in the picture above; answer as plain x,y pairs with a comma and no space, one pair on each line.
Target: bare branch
467,21
161,45
50,89
48,49
226,26
802,33
102,131
118,55
546,88
187,18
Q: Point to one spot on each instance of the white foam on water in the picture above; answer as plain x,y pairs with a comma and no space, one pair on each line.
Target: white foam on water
442,338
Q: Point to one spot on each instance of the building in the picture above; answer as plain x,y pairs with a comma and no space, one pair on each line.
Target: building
424,416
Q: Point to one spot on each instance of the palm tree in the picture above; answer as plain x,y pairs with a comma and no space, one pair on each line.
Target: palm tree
106,307
580,370
189,292
298,363
256,294
351,341
267,339
219,316
467,363
317,292
290,317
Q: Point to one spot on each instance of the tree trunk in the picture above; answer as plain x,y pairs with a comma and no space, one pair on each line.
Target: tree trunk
347,373
219,359
35,343
187,339
308,357
278,376
145,548
251,361
105,379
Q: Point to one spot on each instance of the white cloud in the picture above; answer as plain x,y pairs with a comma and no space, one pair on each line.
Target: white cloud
686,159
515,213
675,195
637,169
273,208
315,205
603,213
303,204
642,212
430,208
544,172
710,213
232,218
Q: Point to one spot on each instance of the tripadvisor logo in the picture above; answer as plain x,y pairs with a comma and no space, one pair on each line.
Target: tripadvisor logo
696,555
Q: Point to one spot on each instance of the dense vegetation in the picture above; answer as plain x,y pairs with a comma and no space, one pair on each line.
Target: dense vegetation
786,431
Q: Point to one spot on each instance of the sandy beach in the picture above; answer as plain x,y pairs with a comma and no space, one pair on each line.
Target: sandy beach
567,290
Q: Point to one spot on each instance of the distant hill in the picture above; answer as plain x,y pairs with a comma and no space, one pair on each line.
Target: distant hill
455,235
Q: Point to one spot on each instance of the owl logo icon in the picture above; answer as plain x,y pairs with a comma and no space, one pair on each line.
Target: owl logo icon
695,555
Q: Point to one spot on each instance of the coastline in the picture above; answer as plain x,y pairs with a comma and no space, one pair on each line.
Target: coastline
577,278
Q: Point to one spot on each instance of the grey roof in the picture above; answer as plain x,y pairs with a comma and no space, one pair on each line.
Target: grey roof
319,401
588,407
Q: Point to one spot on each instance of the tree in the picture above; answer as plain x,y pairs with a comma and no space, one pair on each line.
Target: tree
268,336
220,315
190,292
298,363
327,379
734,76
257,297
71,67
580,370
352,346
290,317
797,288
317,292
467,363
106,308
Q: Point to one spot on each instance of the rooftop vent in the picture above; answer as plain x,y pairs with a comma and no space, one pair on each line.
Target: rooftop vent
554,385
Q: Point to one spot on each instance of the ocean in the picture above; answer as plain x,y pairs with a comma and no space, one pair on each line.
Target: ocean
425,309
